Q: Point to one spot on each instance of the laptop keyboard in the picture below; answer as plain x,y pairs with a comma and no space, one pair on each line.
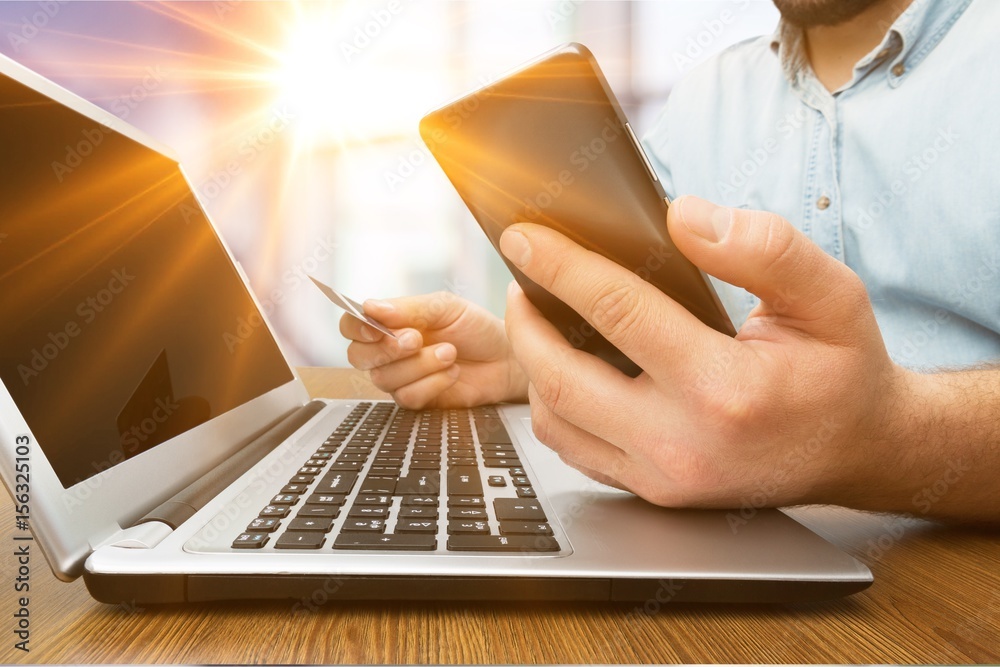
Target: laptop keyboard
391,479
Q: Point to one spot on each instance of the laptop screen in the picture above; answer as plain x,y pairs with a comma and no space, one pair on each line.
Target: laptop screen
123,322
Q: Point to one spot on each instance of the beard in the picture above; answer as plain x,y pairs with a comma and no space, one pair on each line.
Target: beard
810,13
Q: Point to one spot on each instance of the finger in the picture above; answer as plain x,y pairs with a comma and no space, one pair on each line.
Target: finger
763,253
427,361
573,384
427,311
574,444
423,392
637,318
593,474
354,329
366,356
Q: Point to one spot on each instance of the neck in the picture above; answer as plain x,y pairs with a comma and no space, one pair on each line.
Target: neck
834,49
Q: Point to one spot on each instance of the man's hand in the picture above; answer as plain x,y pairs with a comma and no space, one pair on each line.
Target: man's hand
793,410
447,353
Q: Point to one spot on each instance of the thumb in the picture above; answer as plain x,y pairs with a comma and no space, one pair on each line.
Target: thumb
764,254
424,312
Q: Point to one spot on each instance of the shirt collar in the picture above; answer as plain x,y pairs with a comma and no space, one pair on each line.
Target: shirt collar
913,35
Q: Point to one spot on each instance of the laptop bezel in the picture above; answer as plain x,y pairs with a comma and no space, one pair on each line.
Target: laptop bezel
70,523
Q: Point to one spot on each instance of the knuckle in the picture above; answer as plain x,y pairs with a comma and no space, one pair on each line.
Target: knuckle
615,308
779,237
410,398
541,424
549,384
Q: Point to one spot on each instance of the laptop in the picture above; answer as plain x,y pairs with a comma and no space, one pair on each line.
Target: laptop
157,442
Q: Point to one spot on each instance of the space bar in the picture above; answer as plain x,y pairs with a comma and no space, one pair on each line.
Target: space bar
387,542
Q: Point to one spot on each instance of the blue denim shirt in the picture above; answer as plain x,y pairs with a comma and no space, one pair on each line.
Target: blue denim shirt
896,174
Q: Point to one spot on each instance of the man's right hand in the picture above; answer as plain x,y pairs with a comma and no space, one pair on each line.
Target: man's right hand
447,353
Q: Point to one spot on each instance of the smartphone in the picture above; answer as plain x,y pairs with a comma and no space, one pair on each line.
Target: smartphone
549,144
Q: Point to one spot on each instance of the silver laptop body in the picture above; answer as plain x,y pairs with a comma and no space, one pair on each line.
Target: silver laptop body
148,415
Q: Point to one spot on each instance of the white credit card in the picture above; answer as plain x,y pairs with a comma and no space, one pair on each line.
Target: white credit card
352,307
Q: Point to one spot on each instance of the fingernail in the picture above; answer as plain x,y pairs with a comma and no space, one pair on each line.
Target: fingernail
384,306
445,353
409,341
515,247
367,333
703,218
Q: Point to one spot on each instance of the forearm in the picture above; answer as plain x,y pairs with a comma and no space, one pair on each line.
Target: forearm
938,453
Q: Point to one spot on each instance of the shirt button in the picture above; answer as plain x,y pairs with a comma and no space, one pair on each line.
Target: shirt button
899,69
823,203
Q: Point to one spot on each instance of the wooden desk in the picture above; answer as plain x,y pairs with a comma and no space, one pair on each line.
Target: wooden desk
936,598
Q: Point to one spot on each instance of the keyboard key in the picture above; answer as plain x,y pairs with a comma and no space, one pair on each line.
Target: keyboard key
501,463
275,510
379,485
300,539
294,488
524,528
352,457
392,542
419,484
462,462
260,524
425,465
302,479
285,499
492,431
369,512
347,465
418,512
336,482
520,480
420,501
515,509
364,526
497,481
519,472
523,543
526,492
370,499
475,527
310,470
466,501
314,511
303,523
467,513
250,541
416,526
325,499
464,481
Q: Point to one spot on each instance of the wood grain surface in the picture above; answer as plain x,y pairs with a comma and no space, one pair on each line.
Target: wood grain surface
936,598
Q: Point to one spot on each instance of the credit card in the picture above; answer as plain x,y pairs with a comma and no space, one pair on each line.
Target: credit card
352,307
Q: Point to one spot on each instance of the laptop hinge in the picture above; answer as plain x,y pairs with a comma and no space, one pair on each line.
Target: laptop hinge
185,503
143,536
